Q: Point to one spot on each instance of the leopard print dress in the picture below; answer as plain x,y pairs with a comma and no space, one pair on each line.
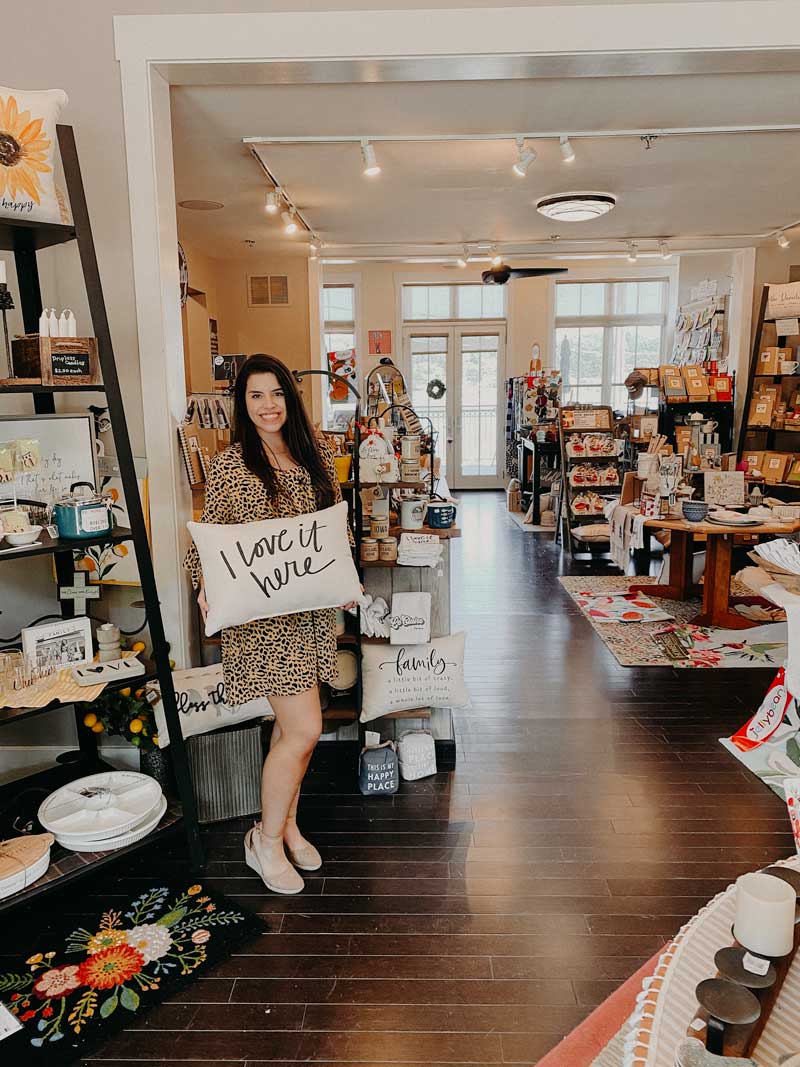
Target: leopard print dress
290,653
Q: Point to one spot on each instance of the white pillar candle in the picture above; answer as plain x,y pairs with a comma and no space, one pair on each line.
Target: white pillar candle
2,272
764,914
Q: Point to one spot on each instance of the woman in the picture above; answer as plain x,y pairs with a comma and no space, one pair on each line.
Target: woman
275,468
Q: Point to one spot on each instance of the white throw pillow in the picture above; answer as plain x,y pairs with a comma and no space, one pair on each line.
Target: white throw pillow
257,570
202,704
28,149
410,620
402,677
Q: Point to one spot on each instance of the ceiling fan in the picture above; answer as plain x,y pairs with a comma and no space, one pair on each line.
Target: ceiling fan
501,274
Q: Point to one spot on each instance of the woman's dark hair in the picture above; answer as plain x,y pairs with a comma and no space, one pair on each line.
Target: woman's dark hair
298,433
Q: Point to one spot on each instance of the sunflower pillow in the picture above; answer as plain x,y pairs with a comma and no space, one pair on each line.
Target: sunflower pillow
28,152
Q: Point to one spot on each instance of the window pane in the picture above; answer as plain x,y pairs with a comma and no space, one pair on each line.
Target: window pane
479,368
494,301
428,361
339,342
575,299
651,297
469,304
579,351
426,301
337,303
568,299
639,298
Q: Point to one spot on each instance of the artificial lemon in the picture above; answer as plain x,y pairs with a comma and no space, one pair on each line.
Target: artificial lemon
135,726
89,719
125,692
138,646
97,728
155,740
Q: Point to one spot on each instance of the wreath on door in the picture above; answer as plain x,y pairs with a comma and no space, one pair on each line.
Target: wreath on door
436,389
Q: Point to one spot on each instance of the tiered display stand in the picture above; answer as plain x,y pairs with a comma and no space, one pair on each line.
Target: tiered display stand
25,239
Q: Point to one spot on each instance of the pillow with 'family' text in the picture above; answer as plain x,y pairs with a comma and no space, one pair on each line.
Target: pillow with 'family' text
28,147
405,677
257,570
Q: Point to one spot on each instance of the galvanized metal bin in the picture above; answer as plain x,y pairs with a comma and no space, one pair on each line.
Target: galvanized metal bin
226,772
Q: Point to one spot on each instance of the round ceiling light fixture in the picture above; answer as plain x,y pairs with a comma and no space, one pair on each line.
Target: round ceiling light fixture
576,207
200,205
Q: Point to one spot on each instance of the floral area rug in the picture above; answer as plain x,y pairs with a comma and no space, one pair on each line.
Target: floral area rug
92,982
679,643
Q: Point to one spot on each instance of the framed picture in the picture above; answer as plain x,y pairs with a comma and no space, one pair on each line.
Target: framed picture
380,342
70,640
725,488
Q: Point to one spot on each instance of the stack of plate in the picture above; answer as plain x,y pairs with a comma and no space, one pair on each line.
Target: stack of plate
23,860
104,811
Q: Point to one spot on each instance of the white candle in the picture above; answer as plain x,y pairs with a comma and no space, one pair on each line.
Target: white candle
764,914
2,272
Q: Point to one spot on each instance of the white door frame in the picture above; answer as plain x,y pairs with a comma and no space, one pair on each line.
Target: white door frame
157,50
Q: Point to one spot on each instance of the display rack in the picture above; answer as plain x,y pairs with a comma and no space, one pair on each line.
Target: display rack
576,419
25,239
770,438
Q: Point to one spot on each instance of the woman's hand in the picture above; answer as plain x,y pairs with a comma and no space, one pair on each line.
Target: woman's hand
202,603
353,603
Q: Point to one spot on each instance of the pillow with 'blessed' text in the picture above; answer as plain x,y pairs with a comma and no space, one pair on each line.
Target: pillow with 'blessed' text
404,677
257,570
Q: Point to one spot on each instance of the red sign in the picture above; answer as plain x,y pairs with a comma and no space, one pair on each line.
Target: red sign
380,342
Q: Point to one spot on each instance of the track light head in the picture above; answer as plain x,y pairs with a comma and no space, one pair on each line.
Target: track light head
783,240
633,252
272,204
663,248
463,259
525,157
567,151
289,224
371,166
495,257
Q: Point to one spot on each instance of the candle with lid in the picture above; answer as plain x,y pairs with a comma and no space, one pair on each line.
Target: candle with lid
764,921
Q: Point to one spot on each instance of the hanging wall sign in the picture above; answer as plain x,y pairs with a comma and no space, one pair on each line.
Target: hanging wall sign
380,342
256,570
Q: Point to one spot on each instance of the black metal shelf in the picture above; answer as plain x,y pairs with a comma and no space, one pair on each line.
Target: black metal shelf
12,715
49,544
25,239
47,389
20,235
66,866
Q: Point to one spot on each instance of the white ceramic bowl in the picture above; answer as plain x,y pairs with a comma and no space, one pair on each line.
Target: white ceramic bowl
26,538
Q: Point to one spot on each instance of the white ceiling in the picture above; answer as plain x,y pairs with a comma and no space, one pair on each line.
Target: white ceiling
695,189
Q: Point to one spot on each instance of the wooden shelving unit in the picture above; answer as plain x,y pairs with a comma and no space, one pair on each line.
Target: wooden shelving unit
769,438
573,521
25,239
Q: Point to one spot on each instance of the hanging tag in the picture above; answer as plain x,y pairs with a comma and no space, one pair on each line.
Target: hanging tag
754,964
52,531
9,1023
697,1025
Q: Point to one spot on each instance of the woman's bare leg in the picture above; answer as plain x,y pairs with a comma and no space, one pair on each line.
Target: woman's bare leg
298,720
292,837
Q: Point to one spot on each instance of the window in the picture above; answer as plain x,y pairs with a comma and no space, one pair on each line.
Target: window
603,331
339,335
447,303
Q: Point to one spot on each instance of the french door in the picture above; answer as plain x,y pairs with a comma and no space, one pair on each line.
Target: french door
469,419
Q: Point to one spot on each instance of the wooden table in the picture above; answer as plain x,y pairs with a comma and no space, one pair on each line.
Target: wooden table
717,581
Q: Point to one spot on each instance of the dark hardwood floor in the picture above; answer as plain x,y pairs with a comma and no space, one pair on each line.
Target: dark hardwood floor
478,916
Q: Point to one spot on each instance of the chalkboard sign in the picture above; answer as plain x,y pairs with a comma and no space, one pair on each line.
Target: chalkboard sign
69,361
70,364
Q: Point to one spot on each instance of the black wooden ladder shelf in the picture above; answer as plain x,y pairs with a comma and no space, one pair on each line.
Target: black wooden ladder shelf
25,239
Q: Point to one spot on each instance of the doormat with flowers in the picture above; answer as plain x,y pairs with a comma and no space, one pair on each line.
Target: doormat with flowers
89,983
680,643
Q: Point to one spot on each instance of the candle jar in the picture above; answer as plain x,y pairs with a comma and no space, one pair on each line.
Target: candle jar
379,526
369,550
387,549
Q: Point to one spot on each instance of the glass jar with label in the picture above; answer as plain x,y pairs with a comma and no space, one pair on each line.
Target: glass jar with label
387,549
369,550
